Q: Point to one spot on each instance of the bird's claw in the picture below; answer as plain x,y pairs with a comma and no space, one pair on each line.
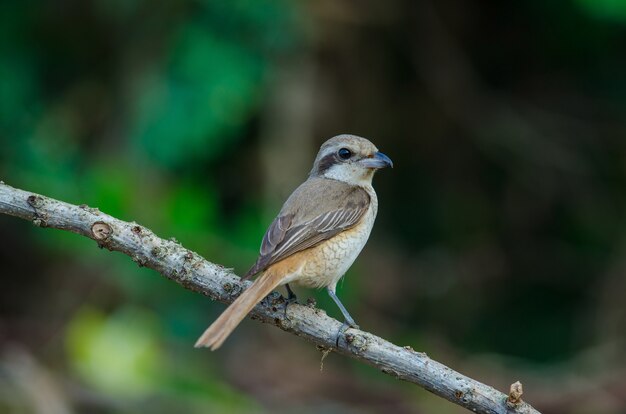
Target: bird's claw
342,330
291,298
288,301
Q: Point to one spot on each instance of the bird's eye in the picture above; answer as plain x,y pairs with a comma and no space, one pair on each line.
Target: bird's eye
344,153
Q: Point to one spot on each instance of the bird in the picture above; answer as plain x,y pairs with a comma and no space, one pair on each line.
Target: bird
318,233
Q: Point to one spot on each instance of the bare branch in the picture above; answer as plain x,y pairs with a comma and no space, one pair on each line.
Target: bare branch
193,272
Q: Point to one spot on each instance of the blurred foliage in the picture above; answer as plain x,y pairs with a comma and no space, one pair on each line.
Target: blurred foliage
605,9
123,105
500,239
116,353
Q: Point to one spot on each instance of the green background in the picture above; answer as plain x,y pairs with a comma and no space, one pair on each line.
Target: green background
500,244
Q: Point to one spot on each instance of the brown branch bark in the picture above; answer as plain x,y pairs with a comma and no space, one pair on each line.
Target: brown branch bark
193,272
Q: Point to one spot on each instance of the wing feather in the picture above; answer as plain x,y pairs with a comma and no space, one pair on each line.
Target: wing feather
301,225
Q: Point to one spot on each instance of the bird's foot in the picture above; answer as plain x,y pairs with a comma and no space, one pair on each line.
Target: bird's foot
342,330
291,299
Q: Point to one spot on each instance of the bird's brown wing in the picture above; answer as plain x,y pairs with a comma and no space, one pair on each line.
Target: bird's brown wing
318,210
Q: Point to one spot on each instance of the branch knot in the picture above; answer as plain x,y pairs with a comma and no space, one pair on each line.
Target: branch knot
515,394
101,232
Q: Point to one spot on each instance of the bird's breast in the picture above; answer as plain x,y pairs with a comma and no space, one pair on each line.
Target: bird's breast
324,264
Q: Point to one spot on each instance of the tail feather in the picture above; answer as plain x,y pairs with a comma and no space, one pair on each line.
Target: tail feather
219,330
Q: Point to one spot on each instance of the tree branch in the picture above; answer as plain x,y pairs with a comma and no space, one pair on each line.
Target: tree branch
193,272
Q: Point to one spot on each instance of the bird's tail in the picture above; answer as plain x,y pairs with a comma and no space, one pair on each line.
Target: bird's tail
219,330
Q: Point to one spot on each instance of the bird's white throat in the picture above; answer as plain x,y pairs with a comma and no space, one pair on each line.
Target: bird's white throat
352,174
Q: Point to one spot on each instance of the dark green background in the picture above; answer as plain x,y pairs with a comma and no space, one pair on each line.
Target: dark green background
500,244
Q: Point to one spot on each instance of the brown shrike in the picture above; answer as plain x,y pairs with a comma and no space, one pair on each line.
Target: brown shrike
318,233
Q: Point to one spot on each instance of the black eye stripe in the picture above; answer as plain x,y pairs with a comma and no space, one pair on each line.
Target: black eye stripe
326,162
330,159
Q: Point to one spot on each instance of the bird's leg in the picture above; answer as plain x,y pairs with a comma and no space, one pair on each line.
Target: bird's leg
291,298
348,321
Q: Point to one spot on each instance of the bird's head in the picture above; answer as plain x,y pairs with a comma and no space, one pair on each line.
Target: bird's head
350,159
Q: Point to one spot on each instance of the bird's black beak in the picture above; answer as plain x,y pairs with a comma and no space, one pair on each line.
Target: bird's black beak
378,160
